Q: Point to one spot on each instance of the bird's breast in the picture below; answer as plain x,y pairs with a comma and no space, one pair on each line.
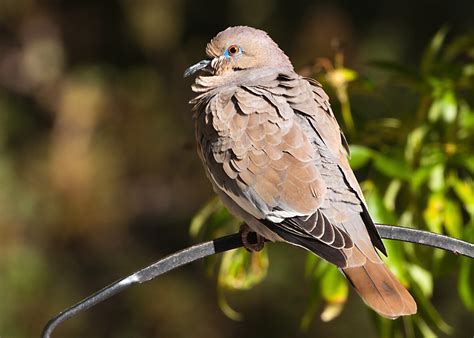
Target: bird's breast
258,150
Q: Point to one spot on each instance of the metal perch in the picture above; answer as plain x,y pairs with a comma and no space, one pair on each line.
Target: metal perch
230,242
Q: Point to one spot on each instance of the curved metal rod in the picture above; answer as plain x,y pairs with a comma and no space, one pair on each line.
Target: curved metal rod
234,241
422,237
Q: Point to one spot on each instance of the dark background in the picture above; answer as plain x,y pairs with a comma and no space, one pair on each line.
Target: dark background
98,169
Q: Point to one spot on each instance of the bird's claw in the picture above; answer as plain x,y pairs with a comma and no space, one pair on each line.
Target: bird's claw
252,241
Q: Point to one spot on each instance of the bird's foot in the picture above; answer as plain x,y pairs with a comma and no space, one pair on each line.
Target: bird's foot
252,241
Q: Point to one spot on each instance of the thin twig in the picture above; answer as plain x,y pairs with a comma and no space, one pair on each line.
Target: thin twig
230,242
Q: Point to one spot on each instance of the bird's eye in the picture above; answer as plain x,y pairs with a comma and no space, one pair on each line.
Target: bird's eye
232,50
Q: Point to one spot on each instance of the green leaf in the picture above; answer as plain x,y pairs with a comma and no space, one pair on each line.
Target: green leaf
314,300
391,194
349,74
465,191
437,181
321,269
453,219
468,70
465,282
444,106
430,54
424,328
428,311
419,178
377,209
360,155
242,270
423,278
433,214
331,311
203,215
221,220
397,261
334,288
310,264
339,77
458,46
415,141
226,308
392,166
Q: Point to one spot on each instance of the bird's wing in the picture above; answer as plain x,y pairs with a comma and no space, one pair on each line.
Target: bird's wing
343,204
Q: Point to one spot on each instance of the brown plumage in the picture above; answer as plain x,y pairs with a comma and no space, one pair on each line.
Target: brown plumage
277,158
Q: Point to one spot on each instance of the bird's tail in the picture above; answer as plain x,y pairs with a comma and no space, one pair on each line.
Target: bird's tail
381,290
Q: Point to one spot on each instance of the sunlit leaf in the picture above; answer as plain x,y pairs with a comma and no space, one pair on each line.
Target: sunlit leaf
419,178
429,311
423,278
315,297
310,264
321,269
242,270
221,220
226,308
465,192
433,214
445,106
414,141
202,216
377,209
409,326
436,181
340,77
360,155
424,328
452,219
334,288
331,311
432,155
397,261
391,194
385,327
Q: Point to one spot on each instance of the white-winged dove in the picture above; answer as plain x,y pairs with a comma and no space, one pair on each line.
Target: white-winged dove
277,158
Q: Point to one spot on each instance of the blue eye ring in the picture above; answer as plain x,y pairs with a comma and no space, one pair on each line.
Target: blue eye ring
232,50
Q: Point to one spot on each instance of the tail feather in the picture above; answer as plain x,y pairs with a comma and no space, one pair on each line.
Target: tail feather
381,290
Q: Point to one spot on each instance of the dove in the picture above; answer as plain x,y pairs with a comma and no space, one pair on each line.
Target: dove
277,158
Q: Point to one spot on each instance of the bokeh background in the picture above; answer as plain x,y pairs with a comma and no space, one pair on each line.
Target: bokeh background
99,173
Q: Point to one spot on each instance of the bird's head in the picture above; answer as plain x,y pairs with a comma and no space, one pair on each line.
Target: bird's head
240,48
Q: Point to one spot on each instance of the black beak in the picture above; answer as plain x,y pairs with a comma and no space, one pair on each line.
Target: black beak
198,66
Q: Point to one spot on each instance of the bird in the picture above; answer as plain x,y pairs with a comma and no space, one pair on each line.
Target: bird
278,160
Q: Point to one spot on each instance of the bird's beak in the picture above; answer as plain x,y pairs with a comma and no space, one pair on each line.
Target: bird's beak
201,65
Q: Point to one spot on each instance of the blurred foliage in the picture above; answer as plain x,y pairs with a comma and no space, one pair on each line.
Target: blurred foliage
420,176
